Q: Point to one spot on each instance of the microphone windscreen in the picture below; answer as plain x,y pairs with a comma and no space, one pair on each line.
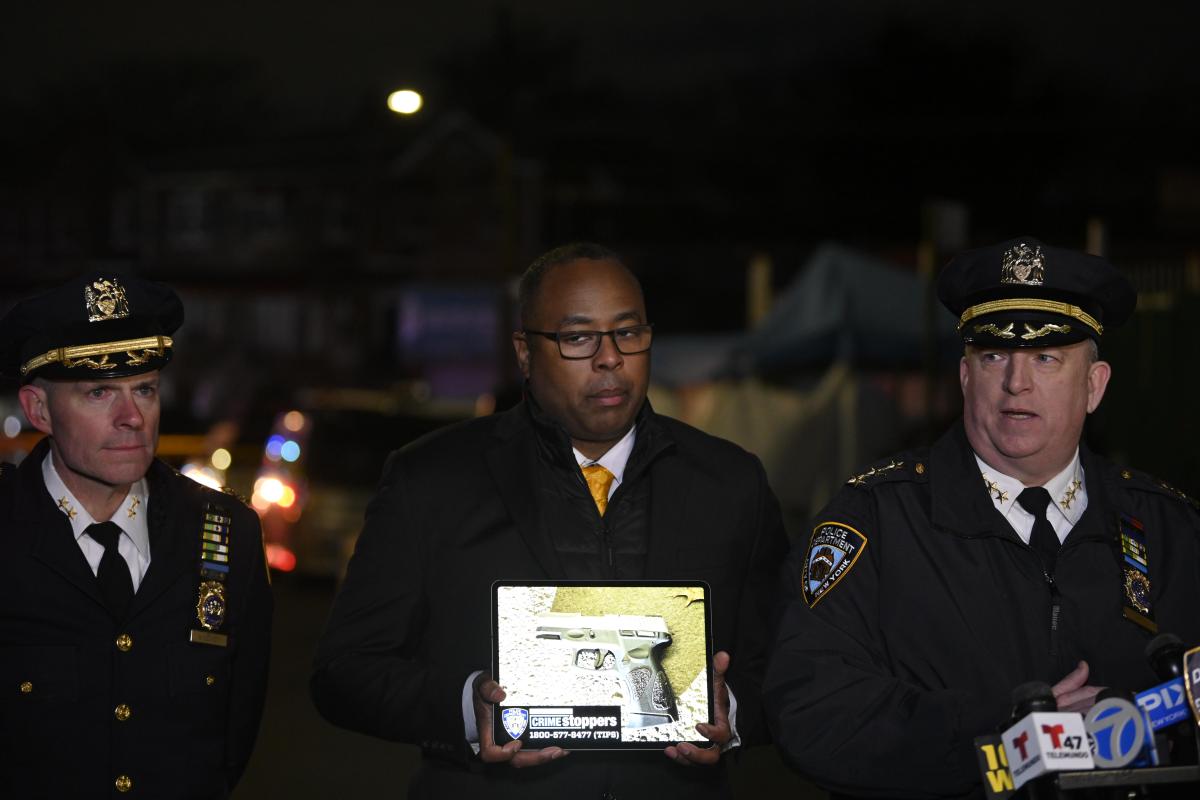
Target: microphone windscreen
1033,696
1165,654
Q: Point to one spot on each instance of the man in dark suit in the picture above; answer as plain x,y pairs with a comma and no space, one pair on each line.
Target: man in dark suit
135,611
506,497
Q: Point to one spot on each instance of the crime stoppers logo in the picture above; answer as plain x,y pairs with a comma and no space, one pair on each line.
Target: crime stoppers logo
832,551
515,720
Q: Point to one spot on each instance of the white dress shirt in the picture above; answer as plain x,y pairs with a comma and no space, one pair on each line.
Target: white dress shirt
130,517
614,460
1068,495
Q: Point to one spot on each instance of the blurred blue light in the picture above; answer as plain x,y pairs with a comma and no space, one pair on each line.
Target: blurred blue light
275,447
290,450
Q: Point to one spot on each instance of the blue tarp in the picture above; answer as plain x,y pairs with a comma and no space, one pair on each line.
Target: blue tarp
843,305
849,306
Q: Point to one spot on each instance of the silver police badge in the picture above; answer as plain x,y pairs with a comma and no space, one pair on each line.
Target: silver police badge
515,720
832,551
105,300
1023,264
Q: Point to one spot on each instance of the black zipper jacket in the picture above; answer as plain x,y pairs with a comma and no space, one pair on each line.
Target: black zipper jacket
879,688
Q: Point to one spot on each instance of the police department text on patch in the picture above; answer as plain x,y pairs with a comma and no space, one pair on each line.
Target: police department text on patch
832,551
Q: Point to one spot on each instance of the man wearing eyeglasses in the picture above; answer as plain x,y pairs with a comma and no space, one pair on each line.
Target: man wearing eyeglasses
581,481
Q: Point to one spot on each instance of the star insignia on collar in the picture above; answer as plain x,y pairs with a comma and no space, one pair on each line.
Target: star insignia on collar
992,486
133,507
67,508
1069,495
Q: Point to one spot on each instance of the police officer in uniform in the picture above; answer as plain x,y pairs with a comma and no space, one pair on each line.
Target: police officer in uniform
938,580
135,610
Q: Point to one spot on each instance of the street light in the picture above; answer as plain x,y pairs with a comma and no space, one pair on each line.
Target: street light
405,101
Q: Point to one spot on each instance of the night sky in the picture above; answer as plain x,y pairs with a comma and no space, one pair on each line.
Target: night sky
764,122
323,57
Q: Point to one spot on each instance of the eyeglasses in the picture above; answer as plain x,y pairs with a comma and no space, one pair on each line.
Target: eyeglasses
585,344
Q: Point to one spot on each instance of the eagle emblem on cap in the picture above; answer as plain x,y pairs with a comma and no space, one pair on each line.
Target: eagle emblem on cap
1023,264
105,300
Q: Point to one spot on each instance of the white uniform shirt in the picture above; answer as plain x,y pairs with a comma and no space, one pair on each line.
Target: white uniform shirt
1068,495
130,517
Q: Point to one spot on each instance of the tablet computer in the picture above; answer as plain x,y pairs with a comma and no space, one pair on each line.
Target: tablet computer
601,665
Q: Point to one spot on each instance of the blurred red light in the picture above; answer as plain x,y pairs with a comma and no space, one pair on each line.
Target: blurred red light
280,558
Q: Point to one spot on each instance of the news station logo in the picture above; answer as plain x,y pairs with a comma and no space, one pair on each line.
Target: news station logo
993,766
1120,733
1164,704
1050,742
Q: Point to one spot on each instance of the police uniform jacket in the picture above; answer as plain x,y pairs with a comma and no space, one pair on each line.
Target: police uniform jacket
479,502
879,683
92,706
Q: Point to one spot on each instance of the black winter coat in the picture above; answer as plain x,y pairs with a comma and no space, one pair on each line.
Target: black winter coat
879,688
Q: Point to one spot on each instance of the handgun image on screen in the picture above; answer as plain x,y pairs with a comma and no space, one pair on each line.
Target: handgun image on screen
602,665
633,646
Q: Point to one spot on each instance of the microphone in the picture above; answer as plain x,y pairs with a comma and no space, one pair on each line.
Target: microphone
1120,732
1043,739
1165,654
1166,704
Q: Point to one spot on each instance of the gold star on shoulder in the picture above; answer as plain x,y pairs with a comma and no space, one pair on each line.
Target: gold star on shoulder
692,595
66,507
992,486
859,480
1069,496
133,507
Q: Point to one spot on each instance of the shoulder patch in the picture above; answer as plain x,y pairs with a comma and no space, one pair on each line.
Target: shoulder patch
894,469
832,550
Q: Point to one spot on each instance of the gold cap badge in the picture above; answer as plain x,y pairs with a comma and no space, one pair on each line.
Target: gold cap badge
1024,265
105,300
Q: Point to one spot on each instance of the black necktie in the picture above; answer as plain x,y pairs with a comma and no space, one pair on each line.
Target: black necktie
1043,539
116,586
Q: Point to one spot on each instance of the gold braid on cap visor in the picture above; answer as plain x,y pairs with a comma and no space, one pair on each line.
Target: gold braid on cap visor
1030,304
81,355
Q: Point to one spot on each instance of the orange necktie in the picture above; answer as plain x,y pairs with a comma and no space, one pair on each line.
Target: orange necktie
598,481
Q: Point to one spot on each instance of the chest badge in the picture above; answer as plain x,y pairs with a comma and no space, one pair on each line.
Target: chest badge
832,551
210,608
212,601
1135,573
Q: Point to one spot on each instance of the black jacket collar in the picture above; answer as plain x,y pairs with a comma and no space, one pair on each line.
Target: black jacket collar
554,443
960,501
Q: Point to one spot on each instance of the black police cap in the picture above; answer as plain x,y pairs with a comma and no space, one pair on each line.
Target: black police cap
98,325
1022,293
